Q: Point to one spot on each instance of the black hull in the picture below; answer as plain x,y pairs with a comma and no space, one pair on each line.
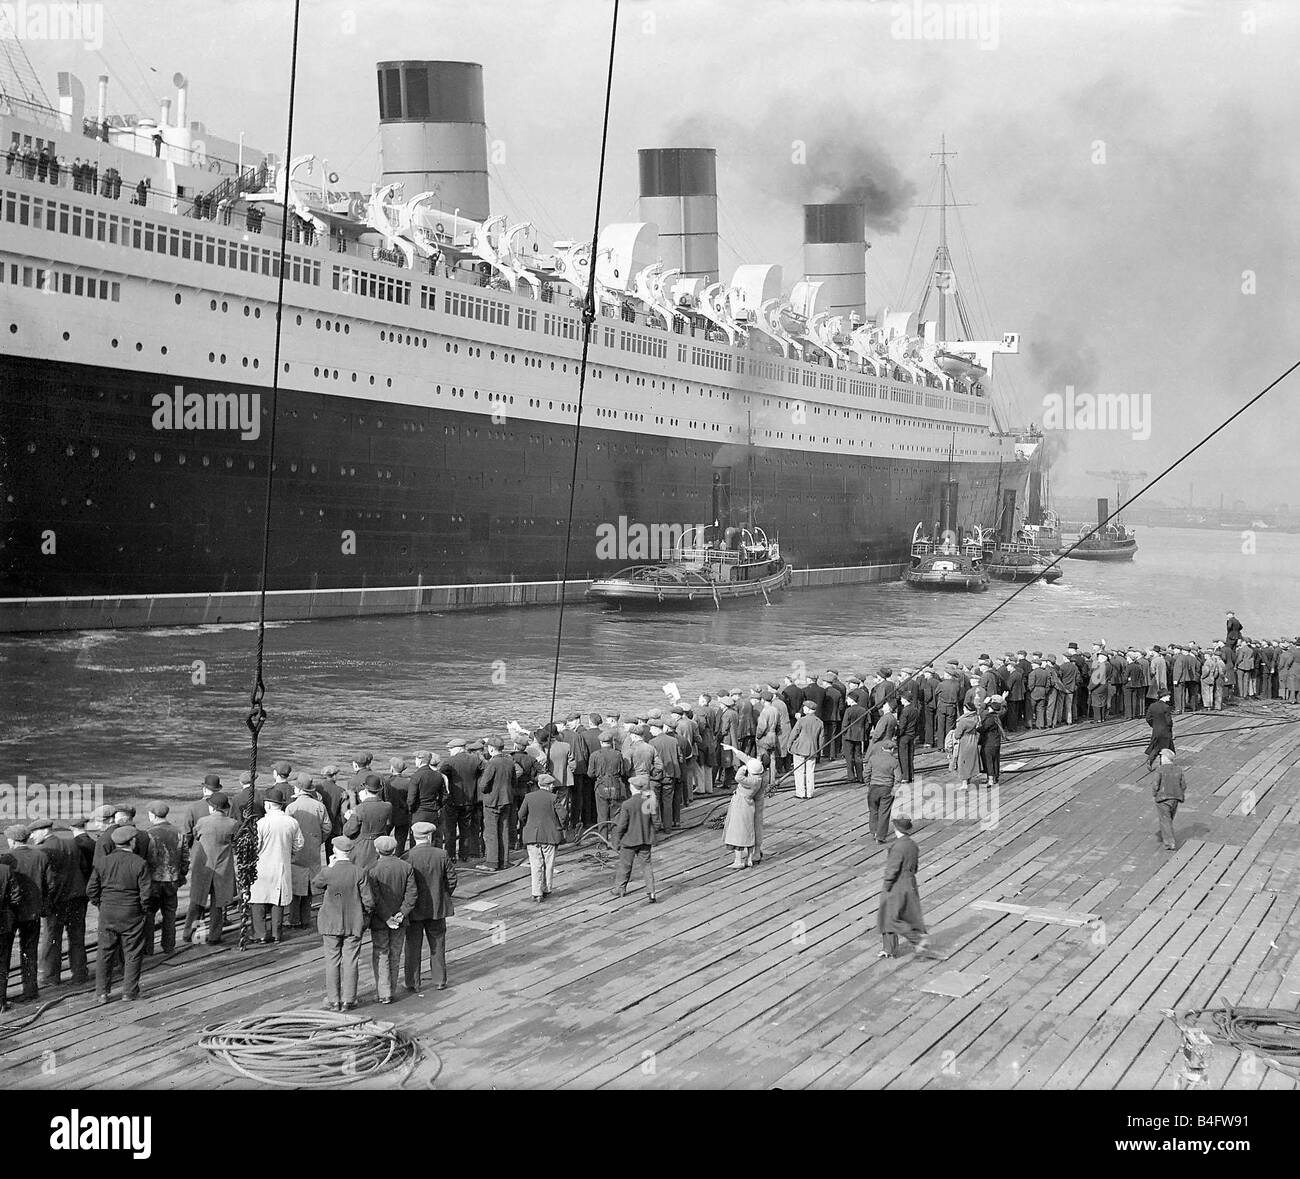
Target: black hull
370,494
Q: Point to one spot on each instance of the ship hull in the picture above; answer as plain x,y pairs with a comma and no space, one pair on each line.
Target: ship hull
1122,553
370,497
624,592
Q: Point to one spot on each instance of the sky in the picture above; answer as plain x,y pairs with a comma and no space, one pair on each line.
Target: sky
1127,168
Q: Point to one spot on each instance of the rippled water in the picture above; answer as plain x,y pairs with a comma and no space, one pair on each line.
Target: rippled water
121,708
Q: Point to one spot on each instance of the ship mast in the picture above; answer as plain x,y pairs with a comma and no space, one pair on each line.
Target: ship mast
942,262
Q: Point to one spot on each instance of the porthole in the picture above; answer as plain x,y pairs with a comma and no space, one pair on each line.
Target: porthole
180,460
224,306
206,460
69,451
257,313
245,361
157,457
223,358
390,382
247,311
299,318
66,337
163,349
346,329
114,342
139,347
130,456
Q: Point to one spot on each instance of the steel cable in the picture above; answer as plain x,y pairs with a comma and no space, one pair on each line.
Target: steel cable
313,1049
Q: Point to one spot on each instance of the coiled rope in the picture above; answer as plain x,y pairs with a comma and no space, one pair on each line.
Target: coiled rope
314,1049
1271,1033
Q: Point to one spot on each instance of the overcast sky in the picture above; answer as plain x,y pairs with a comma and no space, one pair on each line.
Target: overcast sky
1128,162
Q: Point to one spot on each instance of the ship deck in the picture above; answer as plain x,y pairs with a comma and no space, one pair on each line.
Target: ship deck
769,977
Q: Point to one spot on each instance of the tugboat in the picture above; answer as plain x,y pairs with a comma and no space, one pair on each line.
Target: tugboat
1012,554
945,565
1106,542
744,564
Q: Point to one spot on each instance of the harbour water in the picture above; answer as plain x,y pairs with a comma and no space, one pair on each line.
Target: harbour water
148,713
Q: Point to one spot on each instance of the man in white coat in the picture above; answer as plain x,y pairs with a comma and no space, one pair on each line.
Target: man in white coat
278,838
312,817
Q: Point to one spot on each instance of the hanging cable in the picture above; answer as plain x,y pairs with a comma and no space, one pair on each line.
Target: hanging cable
1132,499
588,319
246,838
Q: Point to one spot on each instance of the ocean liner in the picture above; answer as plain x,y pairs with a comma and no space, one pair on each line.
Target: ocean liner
428,384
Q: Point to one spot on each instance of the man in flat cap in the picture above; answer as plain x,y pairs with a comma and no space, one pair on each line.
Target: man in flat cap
494,789
395,787
11,901
426,794
360,771
212,868
331,794
308,810
73,860
169,863
343,918
393,894
120,887
279,839
36,881
462,769
435,881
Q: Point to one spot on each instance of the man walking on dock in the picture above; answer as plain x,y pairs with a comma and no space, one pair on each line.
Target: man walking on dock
1169,790
900,900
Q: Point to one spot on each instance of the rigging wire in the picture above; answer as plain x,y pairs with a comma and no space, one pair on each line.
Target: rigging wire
903,292
1132,499
246,838
588,320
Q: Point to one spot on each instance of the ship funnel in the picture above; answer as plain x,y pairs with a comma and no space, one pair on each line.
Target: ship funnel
948,511
834,254
432,134
1007,527
1103,510
679,195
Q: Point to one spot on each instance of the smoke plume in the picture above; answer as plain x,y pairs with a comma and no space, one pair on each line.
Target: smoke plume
799,156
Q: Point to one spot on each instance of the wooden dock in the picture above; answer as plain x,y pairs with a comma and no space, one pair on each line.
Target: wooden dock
769,977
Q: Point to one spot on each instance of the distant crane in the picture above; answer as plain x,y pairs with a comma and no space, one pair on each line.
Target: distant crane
1123,480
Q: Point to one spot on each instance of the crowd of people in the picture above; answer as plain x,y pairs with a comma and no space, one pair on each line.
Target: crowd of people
381,849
